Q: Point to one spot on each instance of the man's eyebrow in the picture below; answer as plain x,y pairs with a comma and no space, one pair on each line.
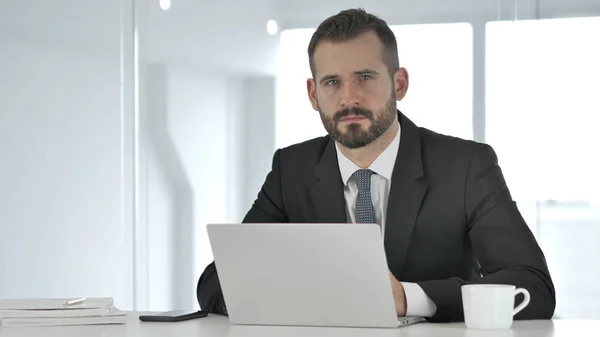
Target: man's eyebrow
366,71
327,78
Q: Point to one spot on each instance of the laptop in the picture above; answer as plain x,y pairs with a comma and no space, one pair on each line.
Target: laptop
332,275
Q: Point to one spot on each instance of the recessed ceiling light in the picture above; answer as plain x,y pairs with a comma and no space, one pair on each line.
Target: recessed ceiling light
165,4
272,27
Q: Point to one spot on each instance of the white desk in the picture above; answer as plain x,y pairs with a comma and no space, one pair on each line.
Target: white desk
218,326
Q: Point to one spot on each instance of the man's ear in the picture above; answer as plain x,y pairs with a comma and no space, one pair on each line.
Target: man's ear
311,87
400,83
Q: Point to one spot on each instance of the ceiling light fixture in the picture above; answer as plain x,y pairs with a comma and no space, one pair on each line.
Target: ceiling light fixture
272,27
164,4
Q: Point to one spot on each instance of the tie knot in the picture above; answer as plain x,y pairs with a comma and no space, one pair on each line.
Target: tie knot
363,180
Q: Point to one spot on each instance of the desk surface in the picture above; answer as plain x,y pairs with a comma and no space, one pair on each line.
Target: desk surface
218,326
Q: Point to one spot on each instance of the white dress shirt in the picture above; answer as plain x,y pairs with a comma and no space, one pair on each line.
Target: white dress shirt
417,302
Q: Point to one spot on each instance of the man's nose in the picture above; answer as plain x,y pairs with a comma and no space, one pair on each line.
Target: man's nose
350,95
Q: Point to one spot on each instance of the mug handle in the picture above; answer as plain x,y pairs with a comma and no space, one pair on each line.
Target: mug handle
525,302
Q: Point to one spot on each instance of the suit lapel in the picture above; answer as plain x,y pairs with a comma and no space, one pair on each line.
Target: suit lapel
327,193
406,194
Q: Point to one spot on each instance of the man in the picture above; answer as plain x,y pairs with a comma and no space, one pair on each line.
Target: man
444,208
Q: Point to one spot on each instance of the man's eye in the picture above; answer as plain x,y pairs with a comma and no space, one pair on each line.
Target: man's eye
365,77
332,82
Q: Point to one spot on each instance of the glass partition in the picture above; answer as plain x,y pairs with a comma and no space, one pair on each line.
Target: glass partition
66,226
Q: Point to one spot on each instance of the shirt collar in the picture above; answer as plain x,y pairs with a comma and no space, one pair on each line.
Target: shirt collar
383,165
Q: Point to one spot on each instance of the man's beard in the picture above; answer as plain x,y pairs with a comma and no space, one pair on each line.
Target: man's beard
355,136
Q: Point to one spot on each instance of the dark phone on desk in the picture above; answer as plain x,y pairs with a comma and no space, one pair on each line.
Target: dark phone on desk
174,316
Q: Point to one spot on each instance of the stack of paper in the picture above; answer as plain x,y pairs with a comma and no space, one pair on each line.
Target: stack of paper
59,311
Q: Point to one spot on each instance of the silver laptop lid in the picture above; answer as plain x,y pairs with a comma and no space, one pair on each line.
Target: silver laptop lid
304,274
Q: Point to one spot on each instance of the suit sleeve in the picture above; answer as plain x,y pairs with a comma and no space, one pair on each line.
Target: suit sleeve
502,243
268,207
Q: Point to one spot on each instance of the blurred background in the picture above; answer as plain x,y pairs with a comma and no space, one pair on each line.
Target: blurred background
128,125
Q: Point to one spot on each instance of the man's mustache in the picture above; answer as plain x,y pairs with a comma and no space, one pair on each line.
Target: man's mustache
352,111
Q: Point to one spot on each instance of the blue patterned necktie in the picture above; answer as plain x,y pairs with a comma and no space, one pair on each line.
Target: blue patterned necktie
364,211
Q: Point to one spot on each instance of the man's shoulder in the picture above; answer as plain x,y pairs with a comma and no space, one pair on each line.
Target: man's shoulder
435,141
308,150
298,161
441,149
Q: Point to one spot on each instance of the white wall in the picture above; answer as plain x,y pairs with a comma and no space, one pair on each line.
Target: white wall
188,179
197,125
209,141
259,136
236,140
162,258
62,231
162,183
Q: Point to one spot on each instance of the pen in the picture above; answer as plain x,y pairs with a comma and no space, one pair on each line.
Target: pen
75,301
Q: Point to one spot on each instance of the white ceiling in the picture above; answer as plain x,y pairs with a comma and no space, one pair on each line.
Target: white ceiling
219,34
228,35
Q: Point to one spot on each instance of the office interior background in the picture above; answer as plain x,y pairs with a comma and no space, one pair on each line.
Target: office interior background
128,125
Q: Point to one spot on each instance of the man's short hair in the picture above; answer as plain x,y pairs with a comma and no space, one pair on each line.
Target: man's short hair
350,23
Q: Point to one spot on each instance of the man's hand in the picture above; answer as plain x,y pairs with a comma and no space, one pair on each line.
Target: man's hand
399,295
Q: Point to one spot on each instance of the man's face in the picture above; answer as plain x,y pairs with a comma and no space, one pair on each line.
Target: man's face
353,90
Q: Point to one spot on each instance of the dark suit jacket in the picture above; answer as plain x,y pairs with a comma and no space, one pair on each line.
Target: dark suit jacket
450,219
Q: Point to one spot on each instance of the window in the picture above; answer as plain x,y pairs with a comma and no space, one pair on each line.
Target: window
542,120
295,119
439,61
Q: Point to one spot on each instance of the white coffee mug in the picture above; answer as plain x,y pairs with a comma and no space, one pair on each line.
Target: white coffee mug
491,306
